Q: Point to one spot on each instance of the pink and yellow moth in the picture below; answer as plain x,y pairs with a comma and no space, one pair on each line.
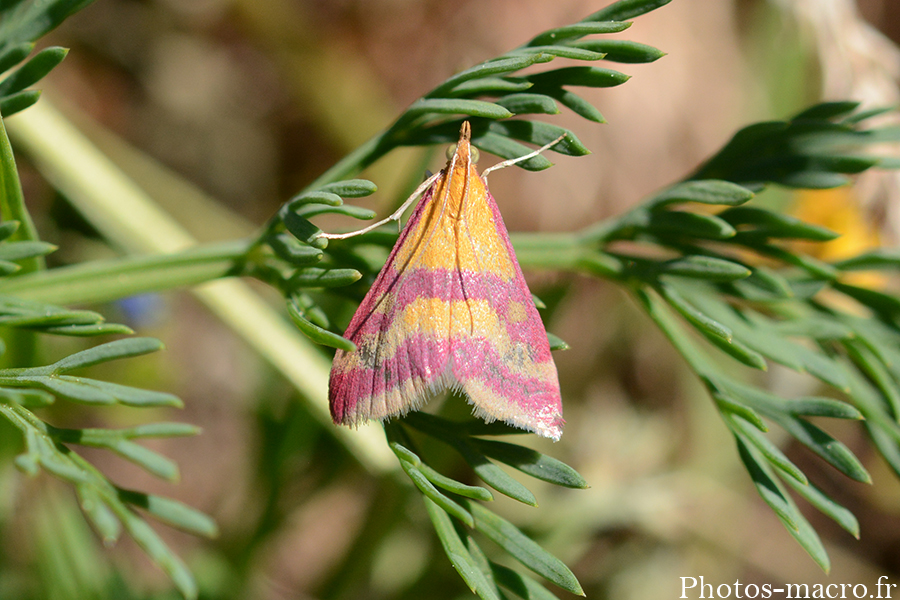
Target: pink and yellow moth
450,310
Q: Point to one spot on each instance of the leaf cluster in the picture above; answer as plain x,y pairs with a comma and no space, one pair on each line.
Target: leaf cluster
21,23
456,508
109,508
735,277
24,391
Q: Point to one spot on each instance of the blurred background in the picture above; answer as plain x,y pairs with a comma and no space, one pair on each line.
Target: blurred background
245,102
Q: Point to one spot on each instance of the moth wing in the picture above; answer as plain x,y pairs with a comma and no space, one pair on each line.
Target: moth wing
504,364
400,331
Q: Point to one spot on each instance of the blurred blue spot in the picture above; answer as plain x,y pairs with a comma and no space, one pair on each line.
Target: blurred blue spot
142,311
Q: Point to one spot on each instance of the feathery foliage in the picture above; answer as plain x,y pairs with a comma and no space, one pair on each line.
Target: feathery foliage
26,390
717,273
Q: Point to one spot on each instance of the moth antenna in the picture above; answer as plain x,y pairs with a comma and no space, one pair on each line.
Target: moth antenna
395,216
512,161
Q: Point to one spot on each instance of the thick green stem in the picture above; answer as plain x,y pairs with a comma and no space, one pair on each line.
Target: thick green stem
103,281
12,201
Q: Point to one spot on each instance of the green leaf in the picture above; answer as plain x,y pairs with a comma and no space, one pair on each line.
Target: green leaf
357,212
506,148
351,188
401,451
32,71
8,228
12,199
478,557
303,230
425,486
12,251
827,506
760,337
877,372
49,319
781,410
156,430
458,553
622,51
705,324
576,104
876,259
771,224
451,485
326,197
557,343
812,180
131,396
770,281
884,305
89,330
493,475
817,406
157,550
28,398
540,134
827,110
458,106
730,406
486,69
521,586
173,512
703,192
738,350
525,103
885,443
563,52
524,549
290,249
576,30
152,462
579,76
314,277
70,388
823,444
27,21
103,519
13,55
772,405
124,348
490,86
8,268
317,334
704,267
626,9
532,462
773,494
867,114
764,445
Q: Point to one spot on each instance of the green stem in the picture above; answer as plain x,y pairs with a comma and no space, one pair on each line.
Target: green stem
12,201
564,252
103,281
22,344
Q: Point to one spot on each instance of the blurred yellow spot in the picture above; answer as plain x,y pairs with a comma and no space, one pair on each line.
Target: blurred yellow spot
838,209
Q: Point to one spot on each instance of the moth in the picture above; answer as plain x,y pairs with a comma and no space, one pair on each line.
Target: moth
450,310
